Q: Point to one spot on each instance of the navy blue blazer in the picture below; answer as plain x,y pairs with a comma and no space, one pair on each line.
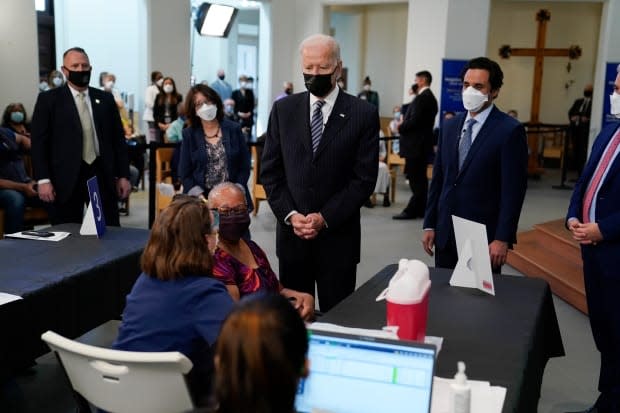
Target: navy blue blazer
194,162
490,187
335,181
607,212
57,140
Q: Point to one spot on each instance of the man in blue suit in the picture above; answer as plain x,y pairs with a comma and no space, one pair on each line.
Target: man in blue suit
319,166
480,170
594,219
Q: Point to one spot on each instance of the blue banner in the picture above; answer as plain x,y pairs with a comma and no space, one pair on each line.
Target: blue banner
611,71
451,86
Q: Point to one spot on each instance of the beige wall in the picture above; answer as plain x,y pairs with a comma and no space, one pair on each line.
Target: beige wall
373,39
384,61
514,23
19,59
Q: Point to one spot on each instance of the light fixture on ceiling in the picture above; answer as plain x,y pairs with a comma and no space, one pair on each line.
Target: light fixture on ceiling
214,19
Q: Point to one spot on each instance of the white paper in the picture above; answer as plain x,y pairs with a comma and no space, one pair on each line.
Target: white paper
58,236
388,332
7,298
484,397
88,223
473,269
335,328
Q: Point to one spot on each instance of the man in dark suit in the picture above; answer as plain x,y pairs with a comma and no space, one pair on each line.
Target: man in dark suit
579,117
416,144
480,170
77,134
319,165
594,219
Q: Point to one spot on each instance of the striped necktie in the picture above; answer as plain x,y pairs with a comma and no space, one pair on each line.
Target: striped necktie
602,166
465,142
316,126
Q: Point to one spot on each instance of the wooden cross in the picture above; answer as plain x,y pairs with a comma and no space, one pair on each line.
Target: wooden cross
539,52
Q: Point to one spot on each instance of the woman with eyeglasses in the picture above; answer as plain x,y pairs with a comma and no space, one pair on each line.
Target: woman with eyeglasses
176,304
240,263
213,149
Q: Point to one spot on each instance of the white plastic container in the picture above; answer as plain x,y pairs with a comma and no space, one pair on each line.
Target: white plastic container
461,391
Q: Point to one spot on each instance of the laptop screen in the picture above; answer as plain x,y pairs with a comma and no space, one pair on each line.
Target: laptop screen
354,374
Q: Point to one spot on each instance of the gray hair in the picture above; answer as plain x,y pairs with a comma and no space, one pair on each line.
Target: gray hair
217,190
325,40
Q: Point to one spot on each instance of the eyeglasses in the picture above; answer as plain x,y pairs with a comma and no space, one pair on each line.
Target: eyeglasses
225,211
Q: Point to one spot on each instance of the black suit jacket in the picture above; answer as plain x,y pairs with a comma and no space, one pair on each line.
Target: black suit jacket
416,131
57,140
335,181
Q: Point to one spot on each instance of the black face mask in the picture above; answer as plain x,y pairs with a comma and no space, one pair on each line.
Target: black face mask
319,85
233,227
288,91
587,93
79,78
221,77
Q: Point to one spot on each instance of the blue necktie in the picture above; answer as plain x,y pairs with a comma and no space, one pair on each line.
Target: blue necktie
465,142
316,126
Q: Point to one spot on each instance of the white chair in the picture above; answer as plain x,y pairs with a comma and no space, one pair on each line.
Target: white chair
125,381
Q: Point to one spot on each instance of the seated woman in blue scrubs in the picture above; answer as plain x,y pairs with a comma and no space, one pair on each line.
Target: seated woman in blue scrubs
176,304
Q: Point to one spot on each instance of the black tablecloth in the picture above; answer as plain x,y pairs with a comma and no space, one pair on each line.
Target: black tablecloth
506,339
69,286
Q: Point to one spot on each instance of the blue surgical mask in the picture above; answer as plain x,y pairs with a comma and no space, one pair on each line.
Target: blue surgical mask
17,117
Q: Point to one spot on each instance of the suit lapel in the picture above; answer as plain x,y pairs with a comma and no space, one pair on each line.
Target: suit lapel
77,125
297,119
483,135
337,119
95,103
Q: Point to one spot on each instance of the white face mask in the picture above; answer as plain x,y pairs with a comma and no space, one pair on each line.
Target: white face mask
109,84
473,99
243,85
159,82
614,100
366,88
207,112
168,88
57,81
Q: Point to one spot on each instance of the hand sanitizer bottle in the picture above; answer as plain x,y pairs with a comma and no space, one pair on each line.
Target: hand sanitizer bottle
461,391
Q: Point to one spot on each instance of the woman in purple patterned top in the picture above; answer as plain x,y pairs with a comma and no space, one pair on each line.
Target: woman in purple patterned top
241,264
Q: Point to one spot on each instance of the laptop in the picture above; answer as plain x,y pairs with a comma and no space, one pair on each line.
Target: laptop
357,374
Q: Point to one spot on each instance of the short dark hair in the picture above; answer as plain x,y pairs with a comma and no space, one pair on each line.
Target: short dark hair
496,76
156,74
74,49
190,108
426,75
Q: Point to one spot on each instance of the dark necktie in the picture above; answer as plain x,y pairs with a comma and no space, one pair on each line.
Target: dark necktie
316,126
465,142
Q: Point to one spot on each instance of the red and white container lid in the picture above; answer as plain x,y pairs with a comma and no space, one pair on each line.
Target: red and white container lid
409,285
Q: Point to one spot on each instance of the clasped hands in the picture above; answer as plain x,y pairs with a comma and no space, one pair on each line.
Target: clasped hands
585,234
307,226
